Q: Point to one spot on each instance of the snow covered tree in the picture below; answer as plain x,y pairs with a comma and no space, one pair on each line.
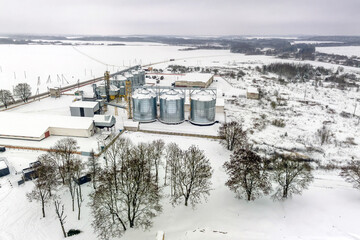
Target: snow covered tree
248,175
5,97
292,176
44,184
126,194
351,173
191,177
232,135
22,91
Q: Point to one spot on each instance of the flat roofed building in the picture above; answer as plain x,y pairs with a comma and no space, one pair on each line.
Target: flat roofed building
84,109
195,80
27,126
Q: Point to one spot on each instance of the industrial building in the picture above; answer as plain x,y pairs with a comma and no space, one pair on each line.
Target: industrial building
84,109
195,80
4,169
27,126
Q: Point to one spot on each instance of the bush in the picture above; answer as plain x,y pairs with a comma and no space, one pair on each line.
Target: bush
72,232
273,105
278,123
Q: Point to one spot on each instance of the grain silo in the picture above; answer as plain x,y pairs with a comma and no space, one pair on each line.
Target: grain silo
202,104
144,105
172,107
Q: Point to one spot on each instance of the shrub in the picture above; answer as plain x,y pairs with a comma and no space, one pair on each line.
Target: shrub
278,123
273,105
72,232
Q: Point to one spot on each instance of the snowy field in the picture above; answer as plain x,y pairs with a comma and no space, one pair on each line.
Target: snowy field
44,66
348,51
327,210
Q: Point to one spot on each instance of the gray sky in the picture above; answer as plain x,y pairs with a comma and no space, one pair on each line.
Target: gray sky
181,17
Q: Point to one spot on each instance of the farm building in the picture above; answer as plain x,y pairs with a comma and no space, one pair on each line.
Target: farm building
84,109
195,80
4,169
252,93
28,126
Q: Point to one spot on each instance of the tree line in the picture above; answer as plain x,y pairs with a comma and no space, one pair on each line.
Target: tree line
21,91
252,176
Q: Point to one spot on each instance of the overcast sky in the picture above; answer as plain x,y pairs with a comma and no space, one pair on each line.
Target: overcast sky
180,17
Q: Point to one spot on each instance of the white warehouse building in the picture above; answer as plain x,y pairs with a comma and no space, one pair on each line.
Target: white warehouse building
84,109
27,126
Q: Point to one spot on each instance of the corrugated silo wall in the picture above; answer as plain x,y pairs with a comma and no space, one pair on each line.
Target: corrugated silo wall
172,111
203,112
144,110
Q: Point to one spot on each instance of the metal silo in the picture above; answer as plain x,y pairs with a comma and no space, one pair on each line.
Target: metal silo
144,105
142,77
202,104
172,107
136,78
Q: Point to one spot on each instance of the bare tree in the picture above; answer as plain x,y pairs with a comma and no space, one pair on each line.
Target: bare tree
232,135
159,146
44,183
248,175
191,177
63,153
94,167
324,135
59,209
126,195
78,168
173,153
22,91
5,97
351,173
291,175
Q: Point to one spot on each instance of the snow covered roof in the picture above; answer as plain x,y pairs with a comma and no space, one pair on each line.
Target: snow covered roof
196,77
35,125
103,118
252,90
143,94
84,104
3,164
203,96
172,95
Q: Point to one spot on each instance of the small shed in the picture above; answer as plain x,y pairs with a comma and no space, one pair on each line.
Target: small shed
4,169
84,109
55,92
104,121
252,93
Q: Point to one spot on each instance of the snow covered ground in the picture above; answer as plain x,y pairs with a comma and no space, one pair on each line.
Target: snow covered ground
327,210
347,51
